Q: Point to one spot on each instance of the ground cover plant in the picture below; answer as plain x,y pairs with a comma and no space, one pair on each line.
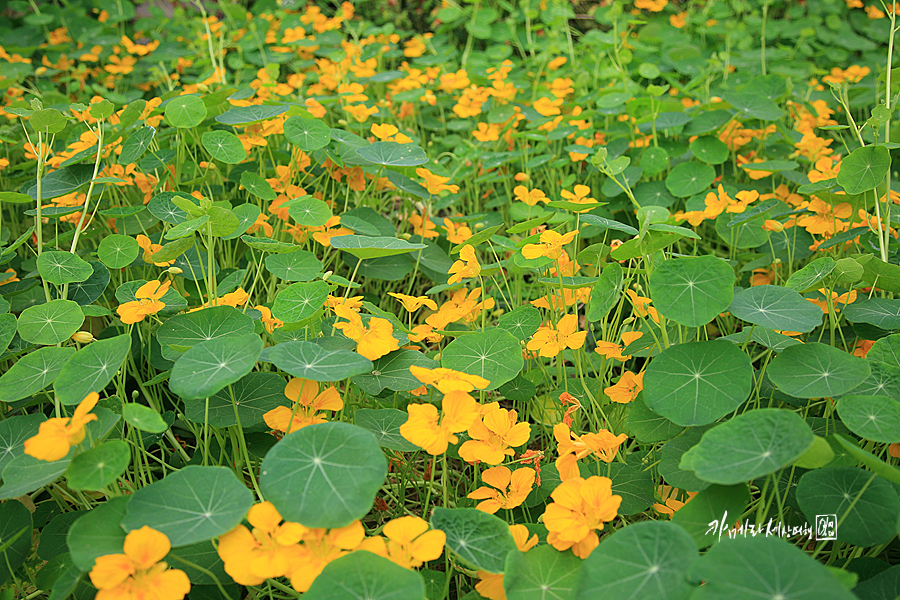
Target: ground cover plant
538,300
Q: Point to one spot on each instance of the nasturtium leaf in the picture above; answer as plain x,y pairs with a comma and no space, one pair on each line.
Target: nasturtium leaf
47,120
97,533
765,337
886,350
163,206
268,244
884,380
62,181
875,418
8,328
692,291
85,292
727,455
763,567
98,467
33,372
294,266
173,250
883,313
384,424
816,370
866,504
58,267
300,300
307,134
647,426
364,247
644,561
479,539
777,308
710,150
324,475
185,331
309,212
690,178
542,573
361,574
702,516
13,433
518,389
91,369
697,383
118,251
241,115
136,144
604,223
754,104
143,418
863,169
258,186
606,292
50,323
16,198
255,394
25,474
393,154
53,538
246,214
15,537
209,366
392,371
192,505
810,276
224,146
670,461
522,322
494,354
312,361
187,228
185,111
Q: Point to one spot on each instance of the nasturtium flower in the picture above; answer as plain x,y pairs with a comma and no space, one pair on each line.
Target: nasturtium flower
572,448
57,435
547,107
139,573
580,195
307,403
268,551
490,585
147,303
642,306
551,245
268,321
549,341
407,542
529,197
433,432
466,267
668,504
508,489
321,546
423,226
414,303
494,436
435,184
150,249
487,132
579,509
457,234
372,341
627,388
449,380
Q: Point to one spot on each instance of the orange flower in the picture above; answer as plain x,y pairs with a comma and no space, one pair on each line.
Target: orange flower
547,107
465,268
435,184
139,573
448,380
409,542
150,249
251,558
487,132
551,245
307,404
319,547
627,388
845,299
56,436
580,196
529,197
642,306
432,433
579,509
414,303
494,436
667,495
572,448
147,303
372,341
512,487
457,234
490,585
423,226
549,341
269,322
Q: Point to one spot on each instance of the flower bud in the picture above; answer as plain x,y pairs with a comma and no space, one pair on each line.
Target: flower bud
83,337
174,271
326,275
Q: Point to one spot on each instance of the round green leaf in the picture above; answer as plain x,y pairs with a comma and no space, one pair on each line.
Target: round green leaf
871,504
690,178
697,383
392,371
15,537
192,505
254,395
884,380
50,323
309,212
362,574
241,115
210,366
775,307
143,418
33,372
815,370
136,144
48,120
863,169
692,291
185,331
875,418
299,301
118,251
97,533
337,468
63,267
710,150
85,292
294,266
312,361
224,146
883,313
307,134
91,369
15,430
99,467
744,233
810,276
25,474
647,560
246,215
670,461
647,426
748,446
754,104
654,161
393,154
256,185
524,321
185,111
267,244
385,424
886,350
494,354
364,247
479,539
540,573
708,508
185,229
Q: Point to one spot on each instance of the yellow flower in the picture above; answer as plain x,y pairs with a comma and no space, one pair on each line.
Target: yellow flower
572,448
150,249
414,303
435,184
147,303
627,388
307,404
432,433
547,107
580,196
465,268
448,380
360,112
409,542
56,436
550,246
487,133
270,322
319,547
531,197
549,341
373,341
494,436
512,487
139,573
670,505
579,509
251,558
